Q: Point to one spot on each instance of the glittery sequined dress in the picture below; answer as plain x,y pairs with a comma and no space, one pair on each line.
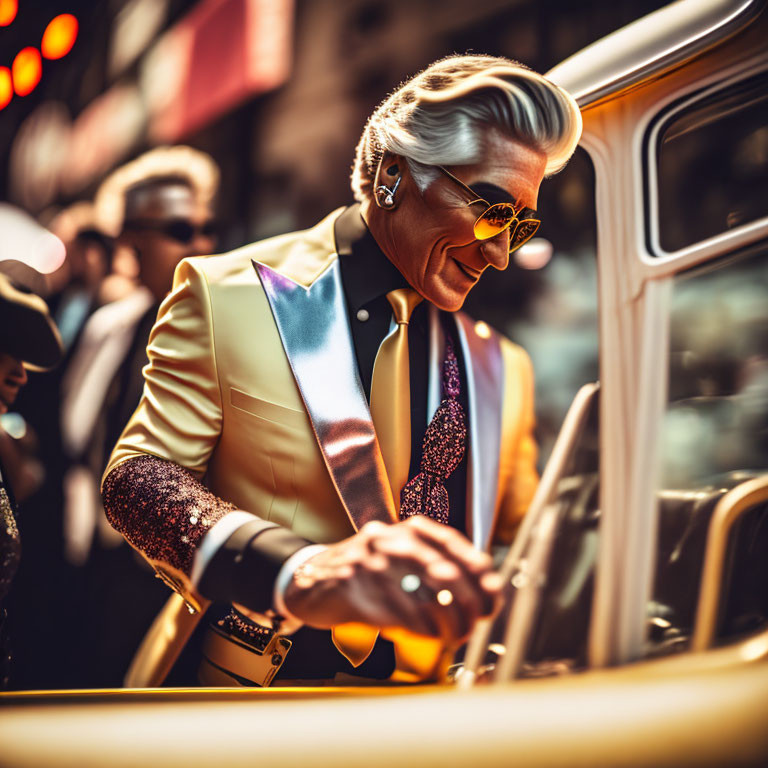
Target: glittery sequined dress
10,546
10,552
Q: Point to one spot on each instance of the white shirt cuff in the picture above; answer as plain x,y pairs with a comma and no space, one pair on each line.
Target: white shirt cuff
219,532
289,567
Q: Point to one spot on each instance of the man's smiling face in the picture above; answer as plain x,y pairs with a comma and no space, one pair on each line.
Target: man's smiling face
429,236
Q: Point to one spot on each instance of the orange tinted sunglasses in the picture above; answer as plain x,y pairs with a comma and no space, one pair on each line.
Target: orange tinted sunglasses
500,216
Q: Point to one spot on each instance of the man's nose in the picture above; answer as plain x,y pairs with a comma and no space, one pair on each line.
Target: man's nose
18,373
496,250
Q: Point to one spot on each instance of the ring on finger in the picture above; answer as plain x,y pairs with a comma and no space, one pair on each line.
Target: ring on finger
444,597
411,584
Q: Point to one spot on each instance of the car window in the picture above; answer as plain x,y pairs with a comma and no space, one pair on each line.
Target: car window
713,165
550,634
714,436
717,416
560,634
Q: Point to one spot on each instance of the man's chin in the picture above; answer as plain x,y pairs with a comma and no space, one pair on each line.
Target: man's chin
446,298
456,305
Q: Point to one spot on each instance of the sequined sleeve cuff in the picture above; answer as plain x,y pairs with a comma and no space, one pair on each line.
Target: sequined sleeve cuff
164,512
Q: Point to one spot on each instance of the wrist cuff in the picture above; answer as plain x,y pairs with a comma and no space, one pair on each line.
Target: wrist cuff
290,622
245,567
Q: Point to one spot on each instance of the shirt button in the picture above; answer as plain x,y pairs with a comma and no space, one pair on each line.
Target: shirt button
363,315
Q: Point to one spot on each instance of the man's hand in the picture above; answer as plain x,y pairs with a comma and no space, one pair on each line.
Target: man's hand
418,574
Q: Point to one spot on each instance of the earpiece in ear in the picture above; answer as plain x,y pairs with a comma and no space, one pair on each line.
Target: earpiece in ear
385,197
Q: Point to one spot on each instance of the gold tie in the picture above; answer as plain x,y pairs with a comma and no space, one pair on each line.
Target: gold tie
391,393
391,413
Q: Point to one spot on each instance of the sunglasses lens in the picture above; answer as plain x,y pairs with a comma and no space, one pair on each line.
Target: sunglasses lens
524,231
182,231
496,219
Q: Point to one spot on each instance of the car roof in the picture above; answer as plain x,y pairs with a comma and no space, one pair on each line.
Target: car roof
650,45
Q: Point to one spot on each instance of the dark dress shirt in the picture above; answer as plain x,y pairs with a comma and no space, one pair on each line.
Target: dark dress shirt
367,275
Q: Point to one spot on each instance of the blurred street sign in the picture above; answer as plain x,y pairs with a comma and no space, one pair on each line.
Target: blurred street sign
220,54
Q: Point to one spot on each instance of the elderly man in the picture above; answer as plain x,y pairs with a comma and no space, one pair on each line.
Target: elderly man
361,444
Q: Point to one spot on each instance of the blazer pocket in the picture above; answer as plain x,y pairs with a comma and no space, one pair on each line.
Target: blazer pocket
279,414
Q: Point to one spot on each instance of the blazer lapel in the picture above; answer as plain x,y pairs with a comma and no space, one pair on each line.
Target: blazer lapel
436,354
485,385
314,329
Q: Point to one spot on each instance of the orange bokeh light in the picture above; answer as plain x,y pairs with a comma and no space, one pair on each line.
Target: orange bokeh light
6,87
27,69
8,9
59,36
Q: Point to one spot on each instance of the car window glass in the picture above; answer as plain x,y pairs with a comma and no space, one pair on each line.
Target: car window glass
560,634
713,165
714,434
555,635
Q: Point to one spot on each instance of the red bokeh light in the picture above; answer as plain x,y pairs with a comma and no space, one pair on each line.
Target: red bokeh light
27,68
6,87
59,36
8,10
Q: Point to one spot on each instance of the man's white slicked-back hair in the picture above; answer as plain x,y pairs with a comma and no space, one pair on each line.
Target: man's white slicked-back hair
440,116
185,164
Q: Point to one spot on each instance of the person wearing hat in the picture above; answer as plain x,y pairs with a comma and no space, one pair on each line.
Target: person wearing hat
30,340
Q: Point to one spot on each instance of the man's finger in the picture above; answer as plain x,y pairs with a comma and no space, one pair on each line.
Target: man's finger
451,543
476,566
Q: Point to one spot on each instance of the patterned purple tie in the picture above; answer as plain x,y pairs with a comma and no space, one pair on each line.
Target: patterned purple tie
441,452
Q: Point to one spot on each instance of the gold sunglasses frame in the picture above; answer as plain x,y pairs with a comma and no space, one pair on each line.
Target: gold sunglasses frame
513,246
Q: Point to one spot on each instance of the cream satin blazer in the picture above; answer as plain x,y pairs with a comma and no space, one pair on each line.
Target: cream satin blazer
252,385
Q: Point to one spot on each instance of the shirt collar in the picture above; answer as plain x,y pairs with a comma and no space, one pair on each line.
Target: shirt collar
366,272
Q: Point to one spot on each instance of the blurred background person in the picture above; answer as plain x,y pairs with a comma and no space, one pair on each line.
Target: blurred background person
75,290
29,255
157,209
28,338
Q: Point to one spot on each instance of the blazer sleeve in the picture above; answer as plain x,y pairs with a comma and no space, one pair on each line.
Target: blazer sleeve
152,489
179,416
518,475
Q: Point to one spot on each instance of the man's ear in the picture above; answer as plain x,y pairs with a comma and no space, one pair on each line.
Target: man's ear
387,180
